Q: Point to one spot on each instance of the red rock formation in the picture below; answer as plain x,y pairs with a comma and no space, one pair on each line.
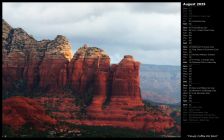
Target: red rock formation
115,89
84,66
125,108
32,62
14,46
18,111
34,57
126,82
126,78
100,91
61,106
53,69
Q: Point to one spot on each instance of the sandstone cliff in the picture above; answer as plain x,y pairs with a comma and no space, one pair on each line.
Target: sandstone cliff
29,64
84,67
48,65
126,82
53,69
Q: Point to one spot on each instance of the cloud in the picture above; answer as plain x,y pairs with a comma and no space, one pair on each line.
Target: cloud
155,7
148,31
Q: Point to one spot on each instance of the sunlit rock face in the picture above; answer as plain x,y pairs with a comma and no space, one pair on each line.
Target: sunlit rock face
53,69
86,63
33,64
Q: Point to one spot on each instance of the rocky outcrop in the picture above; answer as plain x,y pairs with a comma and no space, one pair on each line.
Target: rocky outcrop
53,69
48,65
6,29
125,107
34,57
85,65
126,82
19,111
29,64
126,79
16,47
89,72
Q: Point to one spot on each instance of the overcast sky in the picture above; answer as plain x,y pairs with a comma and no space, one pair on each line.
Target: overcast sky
148,31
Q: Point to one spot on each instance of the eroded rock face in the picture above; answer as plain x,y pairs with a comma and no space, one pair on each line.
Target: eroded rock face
30,64
84,67
100,91
6,29
49,65
126,78
89,73
126,82
16,47
125,107
53,69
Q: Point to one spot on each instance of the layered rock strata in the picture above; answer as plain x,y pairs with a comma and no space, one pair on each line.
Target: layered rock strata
48,65
29,64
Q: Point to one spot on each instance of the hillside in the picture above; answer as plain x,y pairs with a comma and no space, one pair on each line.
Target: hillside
160,83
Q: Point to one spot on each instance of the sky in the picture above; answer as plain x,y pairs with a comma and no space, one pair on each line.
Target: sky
150,32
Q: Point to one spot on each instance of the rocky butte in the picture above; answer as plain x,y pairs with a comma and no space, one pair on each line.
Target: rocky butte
33,64
111,93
